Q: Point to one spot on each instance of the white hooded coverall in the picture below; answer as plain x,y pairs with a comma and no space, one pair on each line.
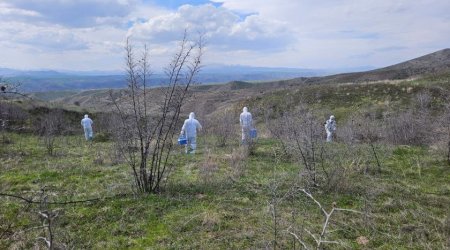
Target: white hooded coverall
246,122
86,122
189,129
330,128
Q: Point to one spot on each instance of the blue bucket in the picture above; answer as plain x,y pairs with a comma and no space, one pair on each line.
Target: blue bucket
253,133
182,140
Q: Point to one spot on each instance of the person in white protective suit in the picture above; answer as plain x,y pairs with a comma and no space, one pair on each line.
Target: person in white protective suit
246,122
86,122
189,130
330,128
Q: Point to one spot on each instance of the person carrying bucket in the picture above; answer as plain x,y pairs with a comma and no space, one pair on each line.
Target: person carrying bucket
189,130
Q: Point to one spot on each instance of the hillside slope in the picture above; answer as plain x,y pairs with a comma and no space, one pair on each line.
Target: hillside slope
434,63
210,98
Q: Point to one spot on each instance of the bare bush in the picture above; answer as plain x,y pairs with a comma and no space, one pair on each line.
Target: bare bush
364,128
409,128
277,132
416,125
319,238
222,128
423,100
115,155
337,169
41,227
328,166
105,123
302,137
281,190
361,128
145,138
51,126
48,218
12,117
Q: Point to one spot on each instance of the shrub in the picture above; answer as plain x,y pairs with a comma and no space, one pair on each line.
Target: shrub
302,137
102,137
409,128
222,128
51,126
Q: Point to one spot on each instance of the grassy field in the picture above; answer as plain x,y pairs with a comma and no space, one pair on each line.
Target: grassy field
230,198
221,199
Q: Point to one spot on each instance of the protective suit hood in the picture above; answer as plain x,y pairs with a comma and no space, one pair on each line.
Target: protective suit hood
245,119
192,115
332,117
86,116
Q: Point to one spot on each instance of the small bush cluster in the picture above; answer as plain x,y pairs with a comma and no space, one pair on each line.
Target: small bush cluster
223,128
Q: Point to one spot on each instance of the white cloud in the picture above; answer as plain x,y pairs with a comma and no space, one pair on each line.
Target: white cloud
222,28
334,33
302,33
74,13
9,12
49,39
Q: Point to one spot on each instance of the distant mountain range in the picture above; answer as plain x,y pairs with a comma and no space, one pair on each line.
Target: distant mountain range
214,96
51,80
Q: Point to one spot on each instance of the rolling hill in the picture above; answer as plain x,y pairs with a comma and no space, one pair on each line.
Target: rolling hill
210,97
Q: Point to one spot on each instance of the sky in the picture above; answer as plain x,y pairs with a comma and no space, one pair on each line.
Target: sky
85,35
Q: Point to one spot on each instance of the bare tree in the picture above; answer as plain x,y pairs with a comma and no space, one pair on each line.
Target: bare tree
145,135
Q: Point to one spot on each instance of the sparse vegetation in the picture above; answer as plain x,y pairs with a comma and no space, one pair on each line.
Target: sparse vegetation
226,198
